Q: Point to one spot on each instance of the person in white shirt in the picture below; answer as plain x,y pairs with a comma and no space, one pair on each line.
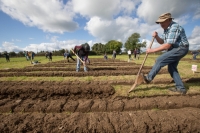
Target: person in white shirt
129,55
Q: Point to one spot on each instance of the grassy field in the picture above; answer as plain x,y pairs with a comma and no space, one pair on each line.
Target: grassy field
184,70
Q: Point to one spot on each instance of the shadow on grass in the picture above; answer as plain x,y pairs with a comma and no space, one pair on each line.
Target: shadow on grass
157,88
154,87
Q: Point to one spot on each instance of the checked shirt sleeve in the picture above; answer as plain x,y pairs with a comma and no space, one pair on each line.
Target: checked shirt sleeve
175,35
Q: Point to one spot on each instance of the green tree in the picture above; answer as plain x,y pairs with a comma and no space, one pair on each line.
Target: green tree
21,54
98,48
134,42
113,45
95,47
12,54
62,51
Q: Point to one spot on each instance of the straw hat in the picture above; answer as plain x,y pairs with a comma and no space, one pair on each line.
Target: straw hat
164,17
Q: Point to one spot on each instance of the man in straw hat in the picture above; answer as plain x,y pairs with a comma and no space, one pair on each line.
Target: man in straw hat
175,42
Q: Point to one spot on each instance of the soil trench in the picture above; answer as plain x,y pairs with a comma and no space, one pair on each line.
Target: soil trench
91,106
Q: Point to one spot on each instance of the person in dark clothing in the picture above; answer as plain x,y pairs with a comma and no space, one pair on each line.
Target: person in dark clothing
82,51
50,56
105,56
194,54
138,54
7,56
135,53
67,55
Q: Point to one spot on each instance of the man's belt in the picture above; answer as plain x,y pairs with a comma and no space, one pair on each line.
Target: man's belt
186,46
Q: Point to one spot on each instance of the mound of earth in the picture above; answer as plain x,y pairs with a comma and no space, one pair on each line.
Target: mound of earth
92,106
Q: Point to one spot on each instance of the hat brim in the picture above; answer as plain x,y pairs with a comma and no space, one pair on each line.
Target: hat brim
162,20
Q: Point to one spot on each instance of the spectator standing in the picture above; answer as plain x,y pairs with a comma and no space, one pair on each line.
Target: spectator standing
7,56
135,53
138,54
129,55
114,54
50,56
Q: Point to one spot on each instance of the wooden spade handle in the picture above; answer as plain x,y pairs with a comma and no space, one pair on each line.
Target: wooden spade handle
145,57
78,57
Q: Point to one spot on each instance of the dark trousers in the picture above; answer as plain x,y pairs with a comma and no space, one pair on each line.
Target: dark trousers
70,57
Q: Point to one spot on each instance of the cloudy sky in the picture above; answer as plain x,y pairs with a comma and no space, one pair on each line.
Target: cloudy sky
46,25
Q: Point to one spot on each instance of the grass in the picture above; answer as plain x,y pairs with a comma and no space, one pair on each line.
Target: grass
184,68
21,62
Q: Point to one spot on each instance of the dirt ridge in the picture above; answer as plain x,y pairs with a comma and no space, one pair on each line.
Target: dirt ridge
131,121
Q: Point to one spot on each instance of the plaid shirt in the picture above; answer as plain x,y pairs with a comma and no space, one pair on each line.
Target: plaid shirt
175,35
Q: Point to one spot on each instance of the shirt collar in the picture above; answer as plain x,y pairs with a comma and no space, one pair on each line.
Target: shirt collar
169,26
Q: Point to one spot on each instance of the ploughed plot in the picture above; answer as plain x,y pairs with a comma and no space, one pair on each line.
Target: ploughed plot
91,106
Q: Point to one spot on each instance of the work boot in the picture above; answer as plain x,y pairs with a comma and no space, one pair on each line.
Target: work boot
144,79
181,91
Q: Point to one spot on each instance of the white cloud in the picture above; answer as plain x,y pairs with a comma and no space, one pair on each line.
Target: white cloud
151,10
51,16
105,9
103,19
51,46
197,13
100,8
9,47
118,29
121,27
194,39
182,20
55,45
128,6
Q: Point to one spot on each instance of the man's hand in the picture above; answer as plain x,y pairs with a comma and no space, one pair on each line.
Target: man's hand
159,40
154,34
149,51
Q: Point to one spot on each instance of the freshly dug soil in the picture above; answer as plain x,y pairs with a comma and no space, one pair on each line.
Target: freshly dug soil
92,106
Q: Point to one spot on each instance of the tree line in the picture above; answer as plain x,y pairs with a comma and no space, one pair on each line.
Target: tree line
98,48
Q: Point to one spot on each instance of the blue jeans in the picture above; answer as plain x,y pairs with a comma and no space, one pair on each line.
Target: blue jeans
195,56
170,58
79,63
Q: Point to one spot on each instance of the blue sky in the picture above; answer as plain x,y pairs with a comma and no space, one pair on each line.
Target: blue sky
38,25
